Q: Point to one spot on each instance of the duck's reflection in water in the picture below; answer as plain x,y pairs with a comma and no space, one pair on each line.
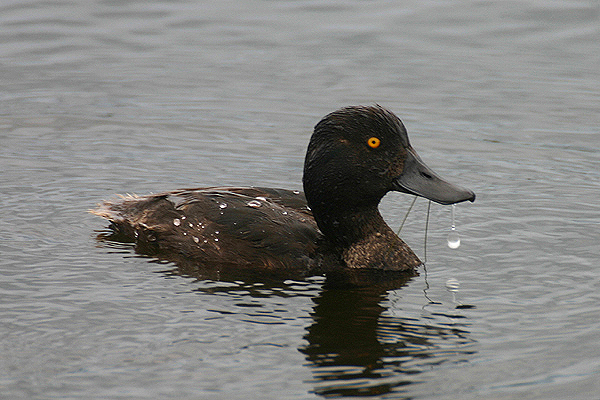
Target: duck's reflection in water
356,349
356,345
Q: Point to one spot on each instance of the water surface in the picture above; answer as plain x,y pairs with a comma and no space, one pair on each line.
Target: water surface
104,97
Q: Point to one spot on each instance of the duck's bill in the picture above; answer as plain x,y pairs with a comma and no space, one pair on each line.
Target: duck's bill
418,179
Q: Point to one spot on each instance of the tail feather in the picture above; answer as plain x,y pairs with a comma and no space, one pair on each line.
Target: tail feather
133,210
116,210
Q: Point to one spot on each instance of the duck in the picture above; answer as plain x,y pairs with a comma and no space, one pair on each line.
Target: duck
355,156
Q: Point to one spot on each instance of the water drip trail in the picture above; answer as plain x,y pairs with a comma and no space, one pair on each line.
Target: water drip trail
453,237
425,259
406,216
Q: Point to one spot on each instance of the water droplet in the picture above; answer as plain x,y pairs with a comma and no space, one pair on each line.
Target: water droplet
176,222
452,284
296,192
223,205
183,217
261,198
254,203
191,225
195,239
453,239
284,212
216,239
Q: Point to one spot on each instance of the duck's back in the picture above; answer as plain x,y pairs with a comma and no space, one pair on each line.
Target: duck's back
250,227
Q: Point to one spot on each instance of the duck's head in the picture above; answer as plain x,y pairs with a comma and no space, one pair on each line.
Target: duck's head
358,154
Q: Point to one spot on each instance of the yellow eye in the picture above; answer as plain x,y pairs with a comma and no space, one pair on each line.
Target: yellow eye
373,142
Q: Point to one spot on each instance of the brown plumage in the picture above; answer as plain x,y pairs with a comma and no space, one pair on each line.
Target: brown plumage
355,156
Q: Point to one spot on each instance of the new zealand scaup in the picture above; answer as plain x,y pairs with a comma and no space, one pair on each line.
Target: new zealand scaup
355,156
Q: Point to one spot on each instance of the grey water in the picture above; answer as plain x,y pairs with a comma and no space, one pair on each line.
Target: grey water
100,97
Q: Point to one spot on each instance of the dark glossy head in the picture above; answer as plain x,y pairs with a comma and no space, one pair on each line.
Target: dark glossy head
358,154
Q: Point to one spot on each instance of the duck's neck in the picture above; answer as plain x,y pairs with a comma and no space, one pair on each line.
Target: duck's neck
364,240
345,227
